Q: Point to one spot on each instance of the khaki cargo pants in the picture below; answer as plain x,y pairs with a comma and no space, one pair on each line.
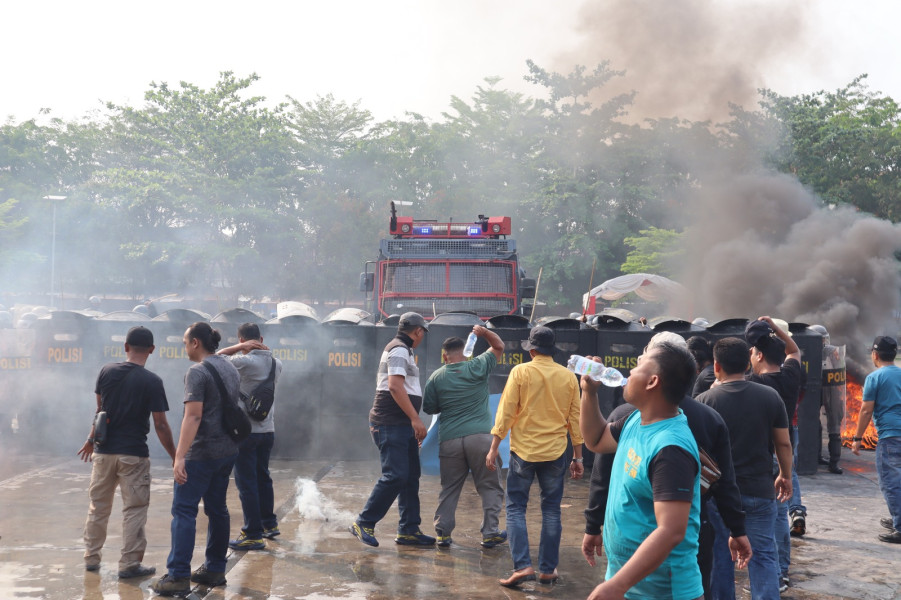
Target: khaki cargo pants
132,475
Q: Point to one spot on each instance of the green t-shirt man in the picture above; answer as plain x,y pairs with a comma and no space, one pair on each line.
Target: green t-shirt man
459,391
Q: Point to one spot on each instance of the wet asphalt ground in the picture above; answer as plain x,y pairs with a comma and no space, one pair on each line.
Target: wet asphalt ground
43,503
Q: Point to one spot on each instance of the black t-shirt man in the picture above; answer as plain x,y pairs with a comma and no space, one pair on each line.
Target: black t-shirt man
751,412
787,383
703,381
129,393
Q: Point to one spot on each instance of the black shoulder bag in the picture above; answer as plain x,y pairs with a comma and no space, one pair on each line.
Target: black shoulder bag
260,400
234,420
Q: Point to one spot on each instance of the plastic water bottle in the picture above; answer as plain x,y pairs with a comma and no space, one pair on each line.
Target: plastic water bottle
470,345
582,366
597,371
612,378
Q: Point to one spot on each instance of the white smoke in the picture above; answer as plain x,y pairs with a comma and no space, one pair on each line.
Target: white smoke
312,505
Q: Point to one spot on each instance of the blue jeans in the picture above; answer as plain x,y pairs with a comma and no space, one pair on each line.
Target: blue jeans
722,577
794,505
783,538
550,481
255,484
763,569
399,452
207,480
782,527
888,465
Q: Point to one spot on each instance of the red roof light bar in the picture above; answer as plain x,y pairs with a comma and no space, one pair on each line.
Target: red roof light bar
490,227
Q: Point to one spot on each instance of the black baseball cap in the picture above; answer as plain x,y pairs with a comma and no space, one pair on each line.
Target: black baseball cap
140,337
410,320
541,340
885,344
756,331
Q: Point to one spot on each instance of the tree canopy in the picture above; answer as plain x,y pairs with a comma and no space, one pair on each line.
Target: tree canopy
221,191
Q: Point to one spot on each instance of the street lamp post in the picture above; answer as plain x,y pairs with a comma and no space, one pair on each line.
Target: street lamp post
54,200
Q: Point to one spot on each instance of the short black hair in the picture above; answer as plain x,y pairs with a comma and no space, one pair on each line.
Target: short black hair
773,349
732,355
676,369
700,348
249,331
452,344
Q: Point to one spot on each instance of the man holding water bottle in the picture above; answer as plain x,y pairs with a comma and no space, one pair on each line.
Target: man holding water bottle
459,392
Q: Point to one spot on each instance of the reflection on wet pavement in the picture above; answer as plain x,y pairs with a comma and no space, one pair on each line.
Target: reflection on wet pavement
44,503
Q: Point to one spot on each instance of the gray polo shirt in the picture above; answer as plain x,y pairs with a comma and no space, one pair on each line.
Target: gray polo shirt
254,369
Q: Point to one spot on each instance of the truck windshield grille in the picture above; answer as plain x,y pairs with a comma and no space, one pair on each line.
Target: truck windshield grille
486,288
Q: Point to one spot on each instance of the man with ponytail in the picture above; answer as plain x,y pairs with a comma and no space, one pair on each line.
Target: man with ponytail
204,459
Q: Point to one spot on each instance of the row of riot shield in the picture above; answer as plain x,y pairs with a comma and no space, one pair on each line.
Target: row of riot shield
329,369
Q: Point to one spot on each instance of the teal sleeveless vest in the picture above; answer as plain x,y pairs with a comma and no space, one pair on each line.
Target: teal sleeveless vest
630,510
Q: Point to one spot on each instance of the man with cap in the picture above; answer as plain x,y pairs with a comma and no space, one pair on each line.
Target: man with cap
776,363
539,406
882,403
129,394
398,432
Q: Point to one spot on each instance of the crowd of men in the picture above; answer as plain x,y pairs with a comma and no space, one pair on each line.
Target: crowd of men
202,460
694,476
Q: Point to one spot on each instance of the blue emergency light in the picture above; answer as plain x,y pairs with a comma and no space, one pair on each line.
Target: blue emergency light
475,230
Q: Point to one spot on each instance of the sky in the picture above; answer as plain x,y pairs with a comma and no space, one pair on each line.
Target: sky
398,56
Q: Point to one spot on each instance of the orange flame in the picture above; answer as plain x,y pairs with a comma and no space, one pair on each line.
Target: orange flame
853,400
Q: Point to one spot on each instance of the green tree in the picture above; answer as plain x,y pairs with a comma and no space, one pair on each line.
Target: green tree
655,251
336,206
846,145
205,184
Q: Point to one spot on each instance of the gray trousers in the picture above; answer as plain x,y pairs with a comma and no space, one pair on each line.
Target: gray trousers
457,458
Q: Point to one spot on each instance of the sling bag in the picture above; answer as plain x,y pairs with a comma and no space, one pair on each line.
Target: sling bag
234,420
260,400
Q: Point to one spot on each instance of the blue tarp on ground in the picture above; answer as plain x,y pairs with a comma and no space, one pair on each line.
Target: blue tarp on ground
428,455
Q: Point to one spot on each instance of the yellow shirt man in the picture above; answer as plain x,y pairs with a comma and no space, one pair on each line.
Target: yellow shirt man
539,405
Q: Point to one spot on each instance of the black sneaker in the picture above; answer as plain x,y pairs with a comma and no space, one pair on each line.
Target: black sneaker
891,538
417,538
92,568
490,541
207,578
171,586
783,584
138,571
245,543
364,534
271,533
798,524
884,521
